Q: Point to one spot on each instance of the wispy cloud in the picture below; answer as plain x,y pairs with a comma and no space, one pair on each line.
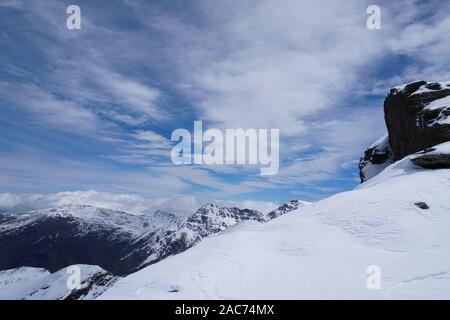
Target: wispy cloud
52,110
138,70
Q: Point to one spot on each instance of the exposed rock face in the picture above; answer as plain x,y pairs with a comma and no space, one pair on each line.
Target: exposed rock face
441,161
417,117
437,157
377,157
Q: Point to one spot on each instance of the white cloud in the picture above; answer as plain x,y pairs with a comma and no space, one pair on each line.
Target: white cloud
286,64
35,172
124,202
140,98
153,138
131,203
16,4
50,109
271,64
261,206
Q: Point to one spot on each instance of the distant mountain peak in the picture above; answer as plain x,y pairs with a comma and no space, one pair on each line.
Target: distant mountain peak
285,208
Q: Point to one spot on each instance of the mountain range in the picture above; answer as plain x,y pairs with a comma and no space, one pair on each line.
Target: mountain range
38,246
396,222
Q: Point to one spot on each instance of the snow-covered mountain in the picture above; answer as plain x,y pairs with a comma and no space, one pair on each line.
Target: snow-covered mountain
395,226
208,220
388,238
286,207
87,219
324,252
27,283
116,241
164,220
110,238
78,234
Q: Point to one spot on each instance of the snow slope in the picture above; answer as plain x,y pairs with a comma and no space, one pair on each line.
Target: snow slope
322,250
27,283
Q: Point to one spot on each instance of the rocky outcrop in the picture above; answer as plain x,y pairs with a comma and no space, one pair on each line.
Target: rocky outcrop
437,157
377,157
417,117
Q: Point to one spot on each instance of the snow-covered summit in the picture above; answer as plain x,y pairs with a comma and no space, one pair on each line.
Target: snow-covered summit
210,219
161,219
420,87
287,207
70,234
90,218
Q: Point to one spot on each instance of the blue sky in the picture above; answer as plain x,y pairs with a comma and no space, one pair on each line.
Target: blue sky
93,109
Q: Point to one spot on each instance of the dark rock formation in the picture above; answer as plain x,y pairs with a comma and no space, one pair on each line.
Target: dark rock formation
433,158
441,161
421,205
377,157
412,126
93,286
417,118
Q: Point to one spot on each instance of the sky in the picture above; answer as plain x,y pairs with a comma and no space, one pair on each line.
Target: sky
87,115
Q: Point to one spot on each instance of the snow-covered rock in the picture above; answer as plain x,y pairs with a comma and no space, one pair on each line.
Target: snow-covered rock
286,207
329,249
375,159
165,220
437,157
27,283
417,117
